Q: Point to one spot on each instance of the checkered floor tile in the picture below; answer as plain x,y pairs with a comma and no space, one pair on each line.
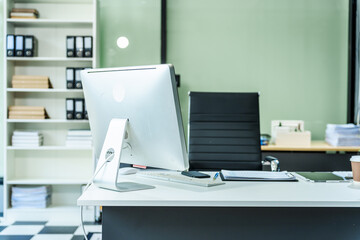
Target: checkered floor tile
22,230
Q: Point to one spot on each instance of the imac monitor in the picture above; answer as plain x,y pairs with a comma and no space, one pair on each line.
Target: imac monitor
147,98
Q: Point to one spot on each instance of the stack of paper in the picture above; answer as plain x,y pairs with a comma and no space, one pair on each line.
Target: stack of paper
30,196
343,134
27,138
24,13
30,81
27,112
256,176
79,138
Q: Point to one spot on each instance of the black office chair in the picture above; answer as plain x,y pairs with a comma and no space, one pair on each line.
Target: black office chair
224,131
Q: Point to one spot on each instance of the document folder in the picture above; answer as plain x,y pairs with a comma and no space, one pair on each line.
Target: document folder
86,116
78,83
70,46
29,46
70,83
227,175
321,177
88,45
10,45
79,43
69,108
79,108
19,45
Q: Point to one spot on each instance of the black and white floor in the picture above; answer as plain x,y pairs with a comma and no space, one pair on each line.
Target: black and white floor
51,230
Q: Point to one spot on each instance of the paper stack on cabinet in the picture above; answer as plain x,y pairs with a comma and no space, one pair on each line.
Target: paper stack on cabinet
342,134
30,196
24,13
27,112
79,138
30,81
27,139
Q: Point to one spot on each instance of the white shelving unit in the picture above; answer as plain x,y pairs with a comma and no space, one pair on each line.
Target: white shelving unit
65,168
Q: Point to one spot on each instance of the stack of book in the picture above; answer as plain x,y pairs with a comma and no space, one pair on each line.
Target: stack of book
24,13
27,112
30,196
30,81
343,134
78,138
22,138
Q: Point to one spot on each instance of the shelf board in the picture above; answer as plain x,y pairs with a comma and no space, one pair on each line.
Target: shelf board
43,90
35,181
316,146
49,22
48,59
52,148
45,121
54,1
51,208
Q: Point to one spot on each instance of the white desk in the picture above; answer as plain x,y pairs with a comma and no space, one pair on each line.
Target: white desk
281,209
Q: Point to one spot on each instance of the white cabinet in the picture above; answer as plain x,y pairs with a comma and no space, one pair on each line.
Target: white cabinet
65,168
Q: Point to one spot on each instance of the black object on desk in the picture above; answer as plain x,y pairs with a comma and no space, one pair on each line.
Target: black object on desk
195,174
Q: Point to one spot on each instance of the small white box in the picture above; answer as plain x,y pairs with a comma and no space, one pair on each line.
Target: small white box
285,126
296,139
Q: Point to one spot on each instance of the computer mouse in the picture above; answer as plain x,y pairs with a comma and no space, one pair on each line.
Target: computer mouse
127,171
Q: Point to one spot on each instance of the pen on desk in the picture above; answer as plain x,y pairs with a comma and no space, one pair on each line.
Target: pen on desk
215,176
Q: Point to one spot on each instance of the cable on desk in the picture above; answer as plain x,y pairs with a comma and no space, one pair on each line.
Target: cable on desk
86,187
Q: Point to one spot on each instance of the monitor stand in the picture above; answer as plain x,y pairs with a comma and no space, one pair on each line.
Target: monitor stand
109,161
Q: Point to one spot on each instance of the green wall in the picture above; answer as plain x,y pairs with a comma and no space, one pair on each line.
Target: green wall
139,21
293,52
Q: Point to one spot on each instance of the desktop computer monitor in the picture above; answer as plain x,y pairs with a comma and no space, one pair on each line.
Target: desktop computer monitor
147,98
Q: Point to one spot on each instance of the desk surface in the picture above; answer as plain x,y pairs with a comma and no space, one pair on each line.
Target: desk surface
232,194
316,146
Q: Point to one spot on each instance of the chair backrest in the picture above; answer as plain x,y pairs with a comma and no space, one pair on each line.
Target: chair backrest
224,131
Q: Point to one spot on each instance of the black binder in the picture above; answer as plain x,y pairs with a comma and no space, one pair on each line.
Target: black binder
88,46
79,108
85,111
70,83
177,80
79,43
78,83
69,108
19,45
10,45
70,46
29,46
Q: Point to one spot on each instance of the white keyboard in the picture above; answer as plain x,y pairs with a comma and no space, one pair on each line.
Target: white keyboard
176,177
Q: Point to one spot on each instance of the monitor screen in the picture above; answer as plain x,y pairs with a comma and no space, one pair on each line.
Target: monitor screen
147,96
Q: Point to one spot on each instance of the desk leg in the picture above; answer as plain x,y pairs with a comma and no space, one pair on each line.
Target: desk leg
179,223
